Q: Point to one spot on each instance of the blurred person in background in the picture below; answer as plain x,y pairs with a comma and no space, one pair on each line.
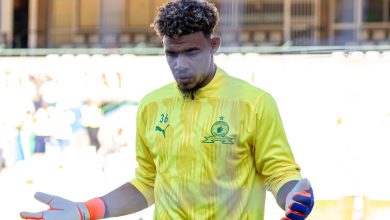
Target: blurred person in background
43,127
119,139
207,146
91,119
116,141
63,118
27,135
7,141
2,161
115,152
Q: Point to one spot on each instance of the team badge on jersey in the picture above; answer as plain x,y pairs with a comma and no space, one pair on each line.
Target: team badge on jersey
219,130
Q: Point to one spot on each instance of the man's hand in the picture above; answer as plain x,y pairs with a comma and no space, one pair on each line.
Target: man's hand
60,209
300,201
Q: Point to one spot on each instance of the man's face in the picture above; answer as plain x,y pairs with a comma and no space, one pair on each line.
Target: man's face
190,58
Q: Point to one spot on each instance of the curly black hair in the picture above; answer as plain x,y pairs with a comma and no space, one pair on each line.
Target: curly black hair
182,17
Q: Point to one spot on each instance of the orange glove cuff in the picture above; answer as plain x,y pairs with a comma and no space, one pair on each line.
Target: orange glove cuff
96,208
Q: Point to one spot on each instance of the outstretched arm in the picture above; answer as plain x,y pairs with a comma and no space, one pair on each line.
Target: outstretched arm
124,200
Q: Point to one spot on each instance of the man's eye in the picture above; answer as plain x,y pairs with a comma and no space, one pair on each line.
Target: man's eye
169,54
192,52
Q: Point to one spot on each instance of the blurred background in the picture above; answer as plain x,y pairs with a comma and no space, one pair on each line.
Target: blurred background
72,73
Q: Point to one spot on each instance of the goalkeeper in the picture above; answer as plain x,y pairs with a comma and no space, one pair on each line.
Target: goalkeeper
208,146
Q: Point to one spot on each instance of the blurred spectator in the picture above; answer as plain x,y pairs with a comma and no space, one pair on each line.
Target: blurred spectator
119,141
27,136
91,118
2,162
8,143
42,127
63,119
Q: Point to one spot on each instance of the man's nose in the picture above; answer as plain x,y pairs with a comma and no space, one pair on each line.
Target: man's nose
181,62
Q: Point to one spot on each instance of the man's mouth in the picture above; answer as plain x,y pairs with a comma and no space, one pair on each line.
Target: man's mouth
184,81
184,77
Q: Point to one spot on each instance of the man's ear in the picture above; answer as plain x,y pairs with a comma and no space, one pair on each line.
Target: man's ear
162,40
215,43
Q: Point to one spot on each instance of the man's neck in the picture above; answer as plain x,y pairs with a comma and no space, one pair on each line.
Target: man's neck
209,77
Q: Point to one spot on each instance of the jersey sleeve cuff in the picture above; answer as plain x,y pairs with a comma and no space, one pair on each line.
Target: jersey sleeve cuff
145,190
275,188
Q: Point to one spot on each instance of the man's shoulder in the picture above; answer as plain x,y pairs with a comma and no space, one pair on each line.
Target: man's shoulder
164,92
244,88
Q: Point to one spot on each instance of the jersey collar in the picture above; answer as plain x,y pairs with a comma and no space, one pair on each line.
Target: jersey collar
212,87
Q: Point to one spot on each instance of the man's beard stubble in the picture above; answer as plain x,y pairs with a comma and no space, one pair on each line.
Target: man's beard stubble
189,94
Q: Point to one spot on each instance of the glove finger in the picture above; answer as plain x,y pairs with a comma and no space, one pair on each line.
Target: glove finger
56,215
300,208
304,198
44,197
31,215
60,203
295,215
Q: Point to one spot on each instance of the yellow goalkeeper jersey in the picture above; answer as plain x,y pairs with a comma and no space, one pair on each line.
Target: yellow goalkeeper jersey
214,156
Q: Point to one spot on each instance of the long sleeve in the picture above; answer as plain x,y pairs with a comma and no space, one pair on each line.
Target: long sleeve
273,155
146,171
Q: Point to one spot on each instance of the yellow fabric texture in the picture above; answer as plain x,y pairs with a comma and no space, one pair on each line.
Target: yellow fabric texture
212,157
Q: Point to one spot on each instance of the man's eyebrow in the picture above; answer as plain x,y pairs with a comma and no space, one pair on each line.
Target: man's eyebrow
186,50
192,49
